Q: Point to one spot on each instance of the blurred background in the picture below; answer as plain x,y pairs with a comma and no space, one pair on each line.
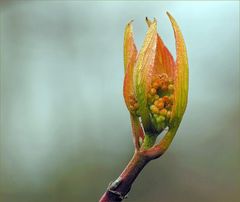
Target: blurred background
65,131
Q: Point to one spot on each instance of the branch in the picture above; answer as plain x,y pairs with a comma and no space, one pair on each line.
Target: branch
119,189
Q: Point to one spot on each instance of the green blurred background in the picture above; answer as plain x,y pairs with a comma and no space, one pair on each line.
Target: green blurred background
65,131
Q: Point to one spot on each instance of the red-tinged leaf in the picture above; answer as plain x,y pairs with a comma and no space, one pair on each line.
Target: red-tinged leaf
144,71
164,60
130,50
180,76
130,55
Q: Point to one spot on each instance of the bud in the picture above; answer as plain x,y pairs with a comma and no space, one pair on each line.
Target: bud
155,86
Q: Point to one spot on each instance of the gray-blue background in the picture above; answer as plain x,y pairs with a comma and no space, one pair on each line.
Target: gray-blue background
65,131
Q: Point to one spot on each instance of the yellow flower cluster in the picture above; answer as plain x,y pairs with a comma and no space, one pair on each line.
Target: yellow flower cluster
160,100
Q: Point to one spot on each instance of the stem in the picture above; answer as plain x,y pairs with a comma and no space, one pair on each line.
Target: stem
120,187
149,141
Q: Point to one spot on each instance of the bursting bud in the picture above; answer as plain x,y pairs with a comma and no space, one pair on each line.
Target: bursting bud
155,85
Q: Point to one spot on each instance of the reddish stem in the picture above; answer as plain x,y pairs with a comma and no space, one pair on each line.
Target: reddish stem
120,187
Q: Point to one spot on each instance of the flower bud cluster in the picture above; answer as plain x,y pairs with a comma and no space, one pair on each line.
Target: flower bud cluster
133,104
160,100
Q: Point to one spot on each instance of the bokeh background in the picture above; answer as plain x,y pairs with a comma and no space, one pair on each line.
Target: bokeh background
65,131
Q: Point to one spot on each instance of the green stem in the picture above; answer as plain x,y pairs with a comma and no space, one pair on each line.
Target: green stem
149,141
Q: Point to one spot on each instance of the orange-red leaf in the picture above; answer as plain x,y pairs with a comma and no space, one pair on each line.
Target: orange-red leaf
164,61
130,55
